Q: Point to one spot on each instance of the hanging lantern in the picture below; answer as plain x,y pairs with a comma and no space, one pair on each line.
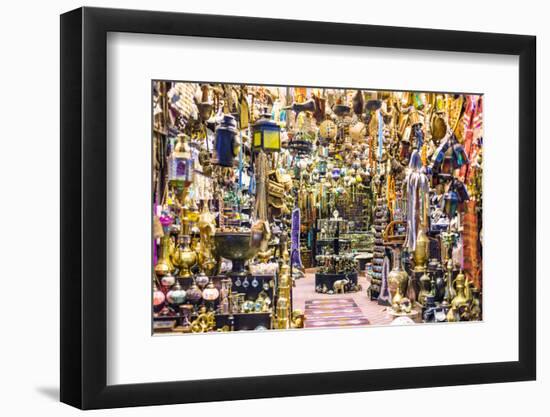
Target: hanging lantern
461,191
210,293
227,143
168,280
450,203
460,157
181,164
267,134
439,155
180,169
158,297
176,295
194,293
202,280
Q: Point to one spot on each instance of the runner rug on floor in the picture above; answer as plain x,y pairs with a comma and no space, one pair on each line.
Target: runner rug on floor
338,312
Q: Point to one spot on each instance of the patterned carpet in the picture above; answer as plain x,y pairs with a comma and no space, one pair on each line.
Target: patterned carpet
305,291
337,312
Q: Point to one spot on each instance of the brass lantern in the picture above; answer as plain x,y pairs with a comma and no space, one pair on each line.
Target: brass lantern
267,134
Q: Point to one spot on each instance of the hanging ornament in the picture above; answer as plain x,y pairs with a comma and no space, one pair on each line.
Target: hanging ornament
202,280
210,293
168,280
194,293
176,295
158,296
450,203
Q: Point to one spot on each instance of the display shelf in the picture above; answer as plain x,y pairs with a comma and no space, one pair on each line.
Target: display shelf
236,321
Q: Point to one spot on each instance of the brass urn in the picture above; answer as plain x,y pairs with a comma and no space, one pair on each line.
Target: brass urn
397,278
164,266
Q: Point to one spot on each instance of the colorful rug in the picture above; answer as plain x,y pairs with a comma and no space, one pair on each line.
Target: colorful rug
338,312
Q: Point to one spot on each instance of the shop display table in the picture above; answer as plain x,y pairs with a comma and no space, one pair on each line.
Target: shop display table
329,279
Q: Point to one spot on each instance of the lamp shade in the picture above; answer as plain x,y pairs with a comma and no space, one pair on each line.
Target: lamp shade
267,134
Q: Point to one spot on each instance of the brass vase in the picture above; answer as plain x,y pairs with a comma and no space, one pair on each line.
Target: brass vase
207,228
460,299
164,266
397,278
450,292
184,258
420,254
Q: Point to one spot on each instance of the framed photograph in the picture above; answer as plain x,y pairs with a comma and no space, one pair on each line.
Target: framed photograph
255,208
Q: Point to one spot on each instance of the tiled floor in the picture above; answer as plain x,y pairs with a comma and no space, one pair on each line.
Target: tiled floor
305,290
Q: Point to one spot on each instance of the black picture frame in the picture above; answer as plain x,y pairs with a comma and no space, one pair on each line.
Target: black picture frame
84,207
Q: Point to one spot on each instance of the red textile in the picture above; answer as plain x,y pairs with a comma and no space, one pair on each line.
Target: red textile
470,238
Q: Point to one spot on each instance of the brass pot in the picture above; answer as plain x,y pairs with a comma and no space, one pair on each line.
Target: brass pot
236,247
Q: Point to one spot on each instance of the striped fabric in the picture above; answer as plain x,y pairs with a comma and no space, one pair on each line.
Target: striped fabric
338,312
472,258
472,121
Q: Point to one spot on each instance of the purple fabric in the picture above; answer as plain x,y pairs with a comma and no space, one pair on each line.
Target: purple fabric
384,296
295,259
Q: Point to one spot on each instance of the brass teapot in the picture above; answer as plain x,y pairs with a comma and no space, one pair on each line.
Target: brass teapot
184,258
460,298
